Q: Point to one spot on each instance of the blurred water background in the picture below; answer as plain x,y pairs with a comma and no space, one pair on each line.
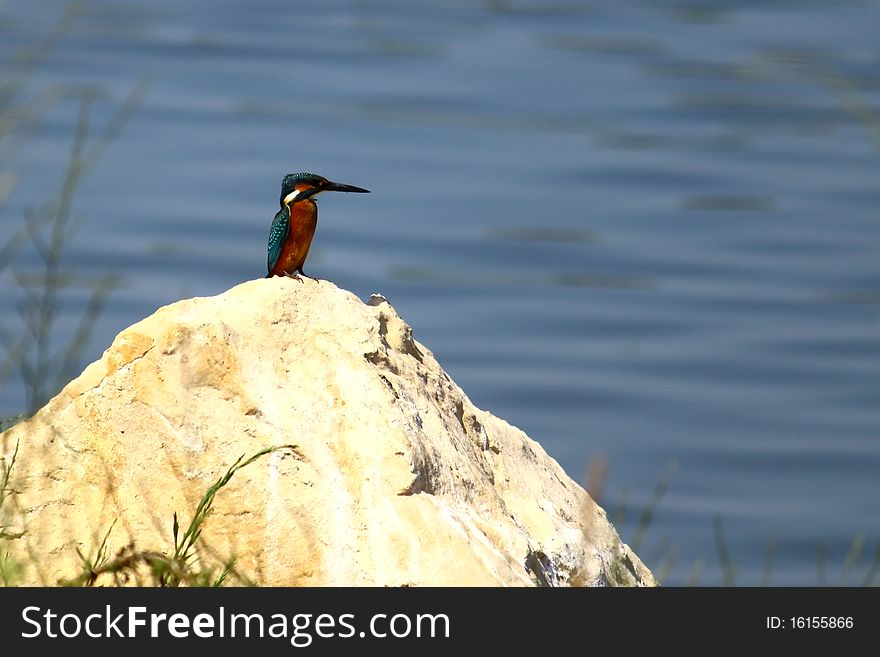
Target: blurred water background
644,232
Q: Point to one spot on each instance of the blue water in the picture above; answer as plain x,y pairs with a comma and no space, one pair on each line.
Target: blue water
642,232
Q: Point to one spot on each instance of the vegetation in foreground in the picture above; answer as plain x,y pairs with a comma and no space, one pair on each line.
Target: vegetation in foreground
189,562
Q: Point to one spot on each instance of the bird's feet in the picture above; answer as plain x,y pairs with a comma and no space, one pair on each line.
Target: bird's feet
294,276
299,276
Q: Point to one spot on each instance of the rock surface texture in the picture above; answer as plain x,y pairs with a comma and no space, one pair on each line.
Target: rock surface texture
395,478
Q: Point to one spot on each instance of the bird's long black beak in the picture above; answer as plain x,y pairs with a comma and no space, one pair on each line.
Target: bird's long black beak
339,187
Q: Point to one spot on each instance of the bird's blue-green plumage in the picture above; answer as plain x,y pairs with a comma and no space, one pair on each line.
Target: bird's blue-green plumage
277,235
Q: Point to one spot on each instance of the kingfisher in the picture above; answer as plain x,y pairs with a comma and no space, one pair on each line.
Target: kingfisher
294,226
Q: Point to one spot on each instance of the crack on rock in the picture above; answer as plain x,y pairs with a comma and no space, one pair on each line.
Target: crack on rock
541,568
630,570
409,345
459,413
383,329
380,358
473,428
418,485
620,571
426,473
36,508
291,451
112,367
528,452
390,386
241,513
401,340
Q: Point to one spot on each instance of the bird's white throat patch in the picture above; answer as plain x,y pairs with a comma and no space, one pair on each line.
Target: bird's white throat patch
289,198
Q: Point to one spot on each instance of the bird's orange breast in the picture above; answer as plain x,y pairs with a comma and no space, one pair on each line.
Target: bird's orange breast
303,221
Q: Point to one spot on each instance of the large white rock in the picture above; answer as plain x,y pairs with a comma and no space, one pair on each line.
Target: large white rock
396,478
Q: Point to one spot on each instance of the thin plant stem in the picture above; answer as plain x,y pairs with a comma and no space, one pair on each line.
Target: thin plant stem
647,513
727,570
